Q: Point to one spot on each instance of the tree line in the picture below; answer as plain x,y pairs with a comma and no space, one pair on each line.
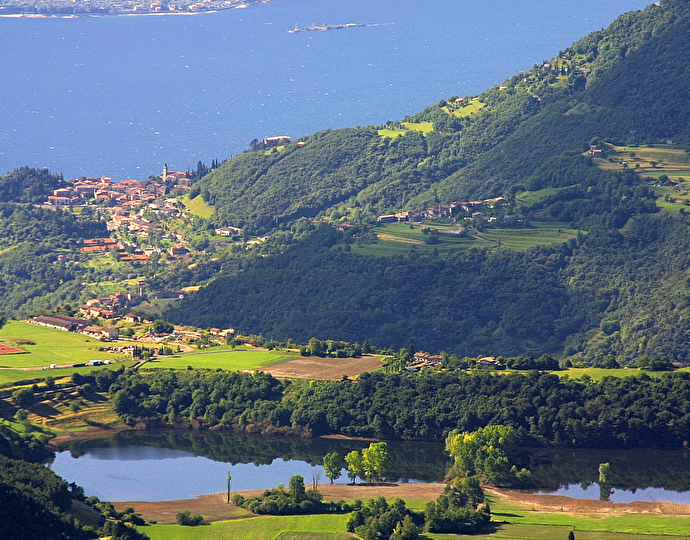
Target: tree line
621,412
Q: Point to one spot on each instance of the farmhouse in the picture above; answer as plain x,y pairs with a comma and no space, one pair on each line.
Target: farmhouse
60,322
228,231
488,361
276,141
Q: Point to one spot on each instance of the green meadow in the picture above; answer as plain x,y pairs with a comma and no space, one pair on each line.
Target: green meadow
393,132
465,109
45,346
231,360
198,207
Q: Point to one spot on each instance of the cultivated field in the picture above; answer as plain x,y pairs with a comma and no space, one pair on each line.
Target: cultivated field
324,368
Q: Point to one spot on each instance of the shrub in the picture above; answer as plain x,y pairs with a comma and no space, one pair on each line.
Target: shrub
186,518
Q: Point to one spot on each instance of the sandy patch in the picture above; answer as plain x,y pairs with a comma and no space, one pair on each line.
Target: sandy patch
591,507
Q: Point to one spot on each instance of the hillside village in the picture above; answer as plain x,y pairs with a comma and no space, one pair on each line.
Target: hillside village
468,210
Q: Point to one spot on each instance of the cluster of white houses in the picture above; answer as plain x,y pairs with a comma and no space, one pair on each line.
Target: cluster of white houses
444,211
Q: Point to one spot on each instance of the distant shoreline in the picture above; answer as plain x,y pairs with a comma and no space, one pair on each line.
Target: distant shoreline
126,13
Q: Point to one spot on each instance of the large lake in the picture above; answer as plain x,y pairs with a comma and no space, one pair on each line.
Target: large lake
168,464
119,96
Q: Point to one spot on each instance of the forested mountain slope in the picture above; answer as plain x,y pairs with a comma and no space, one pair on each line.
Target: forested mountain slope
619,289
625,82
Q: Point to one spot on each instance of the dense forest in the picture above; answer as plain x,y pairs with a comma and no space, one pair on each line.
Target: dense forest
543,408
623,294
31,239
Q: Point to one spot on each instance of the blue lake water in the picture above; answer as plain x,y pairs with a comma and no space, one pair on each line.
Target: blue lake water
143,473
119,96
177,464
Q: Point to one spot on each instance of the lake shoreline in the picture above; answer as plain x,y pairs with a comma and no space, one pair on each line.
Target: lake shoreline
214,506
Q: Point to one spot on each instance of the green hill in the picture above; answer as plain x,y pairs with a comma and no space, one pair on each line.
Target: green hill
618,289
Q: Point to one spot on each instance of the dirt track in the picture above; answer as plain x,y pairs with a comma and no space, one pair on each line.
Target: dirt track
324,368
214,507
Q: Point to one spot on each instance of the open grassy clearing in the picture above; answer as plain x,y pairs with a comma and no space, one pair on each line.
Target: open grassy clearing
231,360
530,198
597,374
198,207
465,109
523,239
399,238
47,346
671,160
652,162
393,132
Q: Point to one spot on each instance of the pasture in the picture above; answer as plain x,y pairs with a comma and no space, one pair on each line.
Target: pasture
401,238
648,161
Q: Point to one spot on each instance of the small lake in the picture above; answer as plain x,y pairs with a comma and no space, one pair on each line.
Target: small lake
174,464
169,465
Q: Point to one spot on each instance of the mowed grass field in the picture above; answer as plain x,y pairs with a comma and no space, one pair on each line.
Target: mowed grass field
198,207
228,359
45,346
399,238
316,527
